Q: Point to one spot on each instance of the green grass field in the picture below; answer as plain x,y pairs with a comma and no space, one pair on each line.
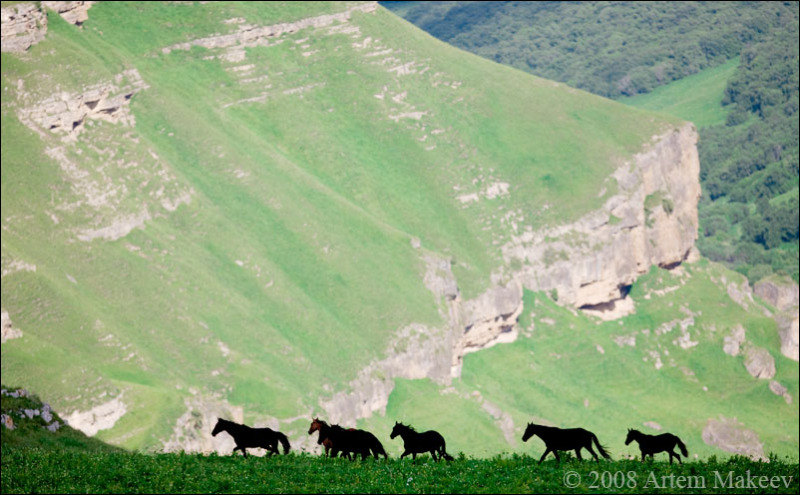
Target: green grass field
32,470
696,98
36,460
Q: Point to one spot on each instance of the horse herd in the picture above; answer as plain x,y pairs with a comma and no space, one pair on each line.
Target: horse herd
351,442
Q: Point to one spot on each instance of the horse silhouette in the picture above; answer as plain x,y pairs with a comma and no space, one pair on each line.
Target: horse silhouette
653,444
556,439
249,438
347,441
414,443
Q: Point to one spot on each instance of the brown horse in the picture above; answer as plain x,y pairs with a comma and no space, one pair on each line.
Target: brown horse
347,441
324,440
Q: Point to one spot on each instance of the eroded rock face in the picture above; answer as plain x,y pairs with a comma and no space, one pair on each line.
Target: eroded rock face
789,332
249,36
651,221
759,362
784,295
732,342
490,318
730,435
72,12
23,25
65,114
100,417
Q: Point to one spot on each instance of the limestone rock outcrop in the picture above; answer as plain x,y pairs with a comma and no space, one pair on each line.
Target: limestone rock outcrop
72,12
730,435
23,25
66,113
652,220
759,362
785,296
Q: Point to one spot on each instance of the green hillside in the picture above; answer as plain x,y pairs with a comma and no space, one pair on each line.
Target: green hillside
229,204
678,58
274,259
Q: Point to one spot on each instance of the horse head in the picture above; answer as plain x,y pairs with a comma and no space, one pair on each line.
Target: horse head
632,435
316,425
396,430
530,430
220,426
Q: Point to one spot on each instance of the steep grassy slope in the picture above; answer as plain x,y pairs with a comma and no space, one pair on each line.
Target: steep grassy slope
240,228
29,423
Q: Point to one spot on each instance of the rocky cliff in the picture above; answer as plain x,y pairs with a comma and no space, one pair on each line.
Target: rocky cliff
652,220
25,24
588,264
783,295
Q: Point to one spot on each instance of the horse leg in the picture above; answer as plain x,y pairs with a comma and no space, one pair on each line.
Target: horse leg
404,454
591,451
433,454
544,455
578,454
558,458
414,455
643,456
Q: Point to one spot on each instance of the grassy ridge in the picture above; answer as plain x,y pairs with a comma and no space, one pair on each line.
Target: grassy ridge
33,470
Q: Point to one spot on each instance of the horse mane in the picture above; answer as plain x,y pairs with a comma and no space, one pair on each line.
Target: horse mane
407,427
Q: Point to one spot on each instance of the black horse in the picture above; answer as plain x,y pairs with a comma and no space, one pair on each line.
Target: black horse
414,443
248,438
347,441
653,444
556,439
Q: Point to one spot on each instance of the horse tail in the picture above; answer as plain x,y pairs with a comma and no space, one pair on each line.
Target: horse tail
682,447
284,441
600,448
444,453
